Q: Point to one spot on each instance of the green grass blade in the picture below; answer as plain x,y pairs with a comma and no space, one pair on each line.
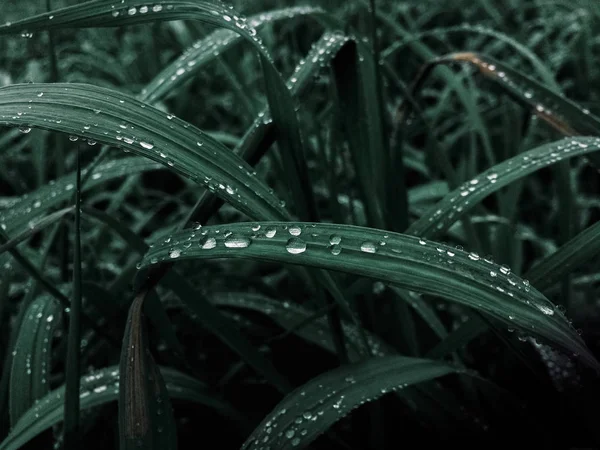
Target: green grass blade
35,226
126,122
566,259
312,408
402,260
98,388
27,209
145,415
203,51
29,378
73,360
458,202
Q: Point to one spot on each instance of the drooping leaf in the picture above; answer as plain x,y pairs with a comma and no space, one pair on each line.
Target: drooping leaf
402,260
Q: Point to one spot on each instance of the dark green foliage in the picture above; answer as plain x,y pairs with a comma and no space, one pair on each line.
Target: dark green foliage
345,225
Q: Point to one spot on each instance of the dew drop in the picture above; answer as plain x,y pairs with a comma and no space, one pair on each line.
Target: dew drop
208,243
237,242
174,254
335,249
24,129
368,247
295,231
147,145
270,232
295,246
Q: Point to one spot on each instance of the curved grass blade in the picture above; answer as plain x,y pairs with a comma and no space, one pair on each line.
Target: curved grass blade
203,51
31,356
561,113
566,259
25,209
312,408
145,415
458,202
35,226
101,387
402,260
113,118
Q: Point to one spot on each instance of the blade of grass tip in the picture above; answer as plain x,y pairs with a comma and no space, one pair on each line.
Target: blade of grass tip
405,261
332,395
72,439
145,415
31,356
101,387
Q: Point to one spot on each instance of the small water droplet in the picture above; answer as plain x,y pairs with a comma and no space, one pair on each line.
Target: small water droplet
270,232
24,129
176,253
147,145
295,231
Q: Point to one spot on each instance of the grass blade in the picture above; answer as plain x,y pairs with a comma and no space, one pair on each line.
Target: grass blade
145,416
29,373
312,408
98,388
399,259
125,122
458,202
203,51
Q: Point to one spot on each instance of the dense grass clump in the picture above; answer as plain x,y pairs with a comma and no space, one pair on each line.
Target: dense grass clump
272,225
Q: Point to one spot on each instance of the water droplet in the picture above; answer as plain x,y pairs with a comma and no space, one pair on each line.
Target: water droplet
295,246
335,239
335,249
368,247
207,243
157,8
175,253
147,145
422,242
73,138
474,256
295,231
237,242
546,310
24,129
132,11
270,232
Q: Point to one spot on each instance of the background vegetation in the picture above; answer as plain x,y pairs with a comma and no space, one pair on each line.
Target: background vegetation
327,225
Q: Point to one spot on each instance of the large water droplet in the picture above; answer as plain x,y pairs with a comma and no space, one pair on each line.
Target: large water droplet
147,145
176,253
237,242
295,246
368,247
207,243
270,232
295,231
